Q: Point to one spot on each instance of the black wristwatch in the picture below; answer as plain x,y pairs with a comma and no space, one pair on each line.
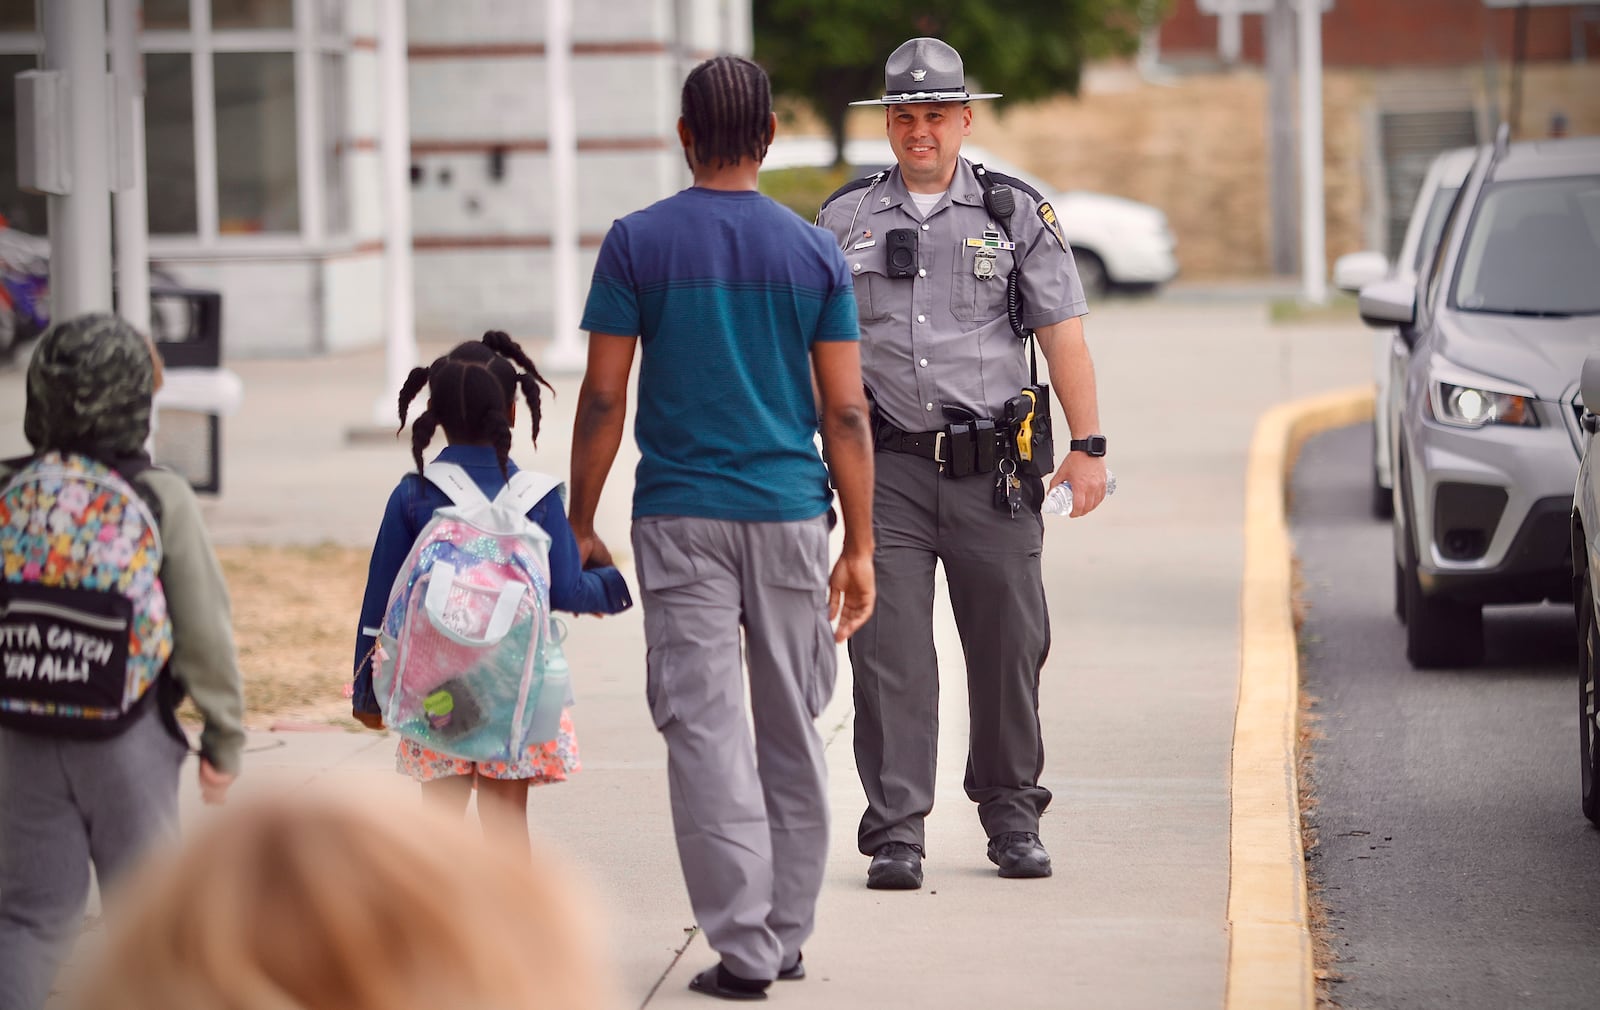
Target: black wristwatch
1094,445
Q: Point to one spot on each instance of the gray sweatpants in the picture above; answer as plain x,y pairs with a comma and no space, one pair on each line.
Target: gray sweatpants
64,803
750,814
992,569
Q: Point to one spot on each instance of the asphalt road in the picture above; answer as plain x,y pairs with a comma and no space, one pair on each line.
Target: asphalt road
1456,865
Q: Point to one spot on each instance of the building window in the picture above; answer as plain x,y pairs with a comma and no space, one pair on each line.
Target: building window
235,91
22,211
257,168
172,14
334,140
227,14
16,16
169,144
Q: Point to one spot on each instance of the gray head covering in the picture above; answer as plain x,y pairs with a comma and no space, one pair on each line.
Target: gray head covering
90,383
924,70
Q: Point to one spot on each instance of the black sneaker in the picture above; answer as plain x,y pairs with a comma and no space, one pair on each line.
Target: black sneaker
718,981
896,866
1019,854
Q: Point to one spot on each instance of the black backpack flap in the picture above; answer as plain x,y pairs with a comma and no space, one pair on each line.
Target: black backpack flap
64,660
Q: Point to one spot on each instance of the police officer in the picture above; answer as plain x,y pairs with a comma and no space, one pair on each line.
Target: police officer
943,362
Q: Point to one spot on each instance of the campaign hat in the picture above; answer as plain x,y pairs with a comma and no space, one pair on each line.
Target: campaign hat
924,70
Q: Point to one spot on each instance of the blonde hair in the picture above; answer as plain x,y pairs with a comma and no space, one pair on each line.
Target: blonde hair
320,903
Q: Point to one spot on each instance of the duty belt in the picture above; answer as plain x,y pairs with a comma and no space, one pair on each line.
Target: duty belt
976,449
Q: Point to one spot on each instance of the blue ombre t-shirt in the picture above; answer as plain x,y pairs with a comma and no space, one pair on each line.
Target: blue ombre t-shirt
727,291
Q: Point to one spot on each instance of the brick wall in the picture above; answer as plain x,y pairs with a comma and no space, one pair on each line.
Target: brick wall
1396,33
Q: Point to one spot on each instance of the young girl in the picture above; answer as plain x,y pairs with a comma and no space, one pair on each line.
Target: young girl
472,395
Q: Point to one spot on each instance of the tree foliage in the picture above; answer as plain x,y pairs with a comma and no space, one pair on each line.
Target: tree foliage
828,53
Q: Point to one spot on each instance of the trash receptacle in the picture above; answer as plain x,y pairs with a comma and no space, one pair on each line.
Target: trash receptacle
186,325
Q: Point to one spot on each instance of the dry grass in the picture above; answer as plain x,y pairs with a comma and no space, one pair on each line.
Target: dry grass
294,616
1324,958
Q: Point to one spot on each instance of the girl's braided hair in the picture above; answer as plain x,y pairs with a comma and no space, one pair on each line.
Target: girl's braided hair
470,391
727,105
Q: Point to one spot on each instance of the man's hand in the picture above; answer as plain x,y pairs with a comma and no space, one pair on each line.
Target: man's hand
1087,475
593,553
852,593
214,784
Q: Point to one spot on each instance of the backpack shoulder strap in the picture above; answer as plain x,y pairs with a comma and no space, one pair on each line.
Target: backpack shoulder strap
527,489
456,483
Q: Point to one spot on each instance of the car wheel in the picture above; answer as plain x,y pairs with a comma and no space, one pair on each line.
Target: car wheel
1091,272
1588,700
1439,632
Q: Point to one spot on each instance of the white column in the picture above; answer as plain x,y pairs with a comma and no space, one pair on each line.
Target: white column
308,116
203,70
395,140
1229,31
80,221
130,201
1313,254
567,352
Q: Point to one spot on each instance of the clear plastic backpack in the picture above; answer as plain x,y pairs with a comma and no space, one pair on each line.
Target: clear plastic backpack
468,662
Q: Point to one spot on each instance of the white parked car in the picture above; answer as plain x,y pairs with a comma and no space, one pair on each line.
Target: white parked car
1116,242
1389,352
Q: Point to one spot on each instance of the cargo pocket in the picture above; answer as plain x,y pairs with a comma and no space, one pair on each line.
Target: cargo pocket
819,682
662,566
801,566
875,290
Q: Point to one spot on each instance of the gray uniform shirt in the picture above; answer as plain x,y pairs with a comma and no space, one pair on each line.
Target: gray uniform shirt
942,337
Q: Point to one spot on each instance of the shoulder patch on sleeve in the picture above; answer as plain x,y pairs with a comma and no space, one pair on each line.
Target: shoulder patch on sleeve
1047,214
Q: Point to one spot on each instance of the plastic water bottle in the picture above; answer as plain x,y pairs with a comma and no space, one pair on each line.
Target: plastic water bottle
1059,501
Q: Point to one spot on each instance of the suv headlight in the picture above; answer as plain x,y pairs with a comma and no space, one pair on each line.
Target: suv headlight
1475,406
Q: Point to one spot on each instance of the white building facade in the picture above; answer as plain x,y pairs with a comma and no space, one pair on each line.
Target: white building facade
264,153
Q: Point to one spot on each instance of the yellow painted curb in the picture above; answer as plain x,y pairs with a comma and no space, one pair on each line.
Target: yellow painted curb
1269,938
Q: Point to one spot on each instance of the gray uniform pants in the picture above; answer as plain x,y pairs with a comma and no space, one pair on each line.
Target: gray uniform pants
992,568
64,803
750,814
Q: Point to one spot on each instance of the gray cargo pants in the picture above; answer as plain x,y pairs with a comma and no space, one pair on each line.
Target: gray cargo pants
64,803
992,568
750,813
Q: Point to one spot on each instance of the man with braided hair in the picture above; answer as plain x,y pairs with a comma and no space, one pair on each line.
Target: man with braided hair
737,304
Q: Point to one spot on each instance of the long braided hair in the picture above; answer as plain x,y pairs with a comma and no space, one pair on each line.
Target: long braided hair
727,105
470,391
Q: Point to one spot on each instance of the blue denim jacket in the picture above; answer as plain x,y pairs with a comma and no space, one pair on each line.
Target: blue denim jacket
572,589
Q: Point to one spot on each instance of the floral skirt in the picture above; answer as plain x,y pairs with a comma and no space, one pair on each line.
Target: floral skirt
540,764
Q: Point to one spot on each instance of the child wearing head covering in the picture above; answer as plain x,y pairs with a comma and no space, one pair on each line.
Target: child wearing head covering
67,802
472,396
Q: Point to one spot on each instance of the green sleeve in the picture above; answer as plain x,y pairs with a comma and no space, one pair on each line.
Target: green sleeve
203,657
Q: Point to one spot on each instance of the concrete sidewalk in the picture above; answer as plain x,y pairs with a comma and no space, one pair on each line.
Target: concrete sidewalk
1138,697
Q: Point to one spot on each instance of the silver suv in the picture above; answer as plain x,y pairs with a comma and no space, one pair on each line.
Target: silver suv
1486,437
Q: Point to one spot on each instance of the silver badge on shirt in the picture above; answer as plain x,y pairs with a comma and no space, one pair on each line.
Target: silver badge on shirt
983,264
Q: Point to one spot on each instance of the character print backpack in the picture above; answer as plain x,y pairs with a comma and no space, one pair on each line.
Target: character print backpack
84,630
466,662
